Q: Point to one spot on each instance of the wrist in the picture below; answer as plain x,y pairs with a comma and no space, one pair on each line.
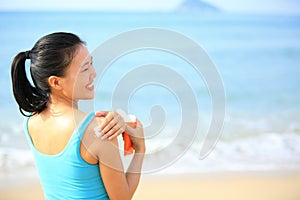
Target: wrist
141,150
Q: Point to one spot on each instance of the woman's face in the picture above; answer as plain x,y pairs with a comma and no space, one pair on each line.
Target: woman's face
79,77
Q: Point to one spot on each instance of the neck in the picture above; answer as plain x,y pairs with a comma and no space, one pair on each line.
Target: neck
58,105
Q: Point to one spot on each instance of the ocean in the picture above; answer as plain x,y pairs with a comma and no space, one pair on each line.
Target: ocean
257,58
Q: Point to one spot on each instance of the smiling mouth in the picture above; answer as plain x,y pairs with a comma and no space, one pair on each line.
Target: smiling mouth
90,86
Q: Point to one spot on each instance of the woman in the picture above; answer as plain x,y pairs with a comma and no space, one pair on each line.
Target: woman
71,161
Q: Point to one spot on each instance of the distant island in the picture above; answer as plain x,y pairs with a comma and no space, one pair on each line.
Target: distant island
197,6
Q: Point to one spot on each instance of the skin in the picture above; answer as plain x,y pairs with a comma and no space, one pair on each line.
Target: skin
59,120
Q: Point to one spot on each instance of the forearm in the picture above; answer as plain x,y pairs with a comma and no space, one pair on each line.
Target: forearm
133,173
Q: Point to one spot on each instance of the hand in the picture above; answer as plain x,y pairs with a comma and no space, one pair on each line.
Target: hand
137,137
111,124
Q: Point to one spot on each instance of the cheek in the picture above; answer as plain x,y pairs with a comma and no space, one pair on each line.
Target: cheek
80,85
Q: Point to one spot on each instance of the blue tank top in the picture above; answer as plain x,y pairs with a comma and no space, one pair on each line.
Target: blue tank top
66,175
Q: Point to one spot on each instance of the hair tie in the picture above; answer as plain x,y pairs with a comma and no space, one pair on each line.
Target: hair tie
27,54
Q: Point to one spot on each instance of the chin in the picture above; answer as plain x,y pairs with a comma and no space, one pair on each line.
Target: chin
91,97
87,97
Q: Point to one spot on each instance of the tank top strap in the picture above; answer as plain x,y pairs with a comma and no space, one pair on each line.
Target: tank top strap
84,124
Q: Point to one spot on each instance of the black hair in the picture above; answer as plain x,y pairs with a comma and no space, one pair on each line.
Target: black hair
50,56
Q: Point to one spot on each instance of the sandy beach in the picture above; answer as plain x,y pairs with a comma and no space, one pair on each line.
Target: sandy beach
216,186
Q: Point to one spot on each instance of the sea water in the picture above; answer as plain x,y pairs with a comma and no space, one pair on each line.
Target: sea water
257,57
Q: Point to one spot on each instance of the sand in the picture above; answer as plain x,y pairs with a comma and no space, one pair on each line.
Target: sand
212,186
231,186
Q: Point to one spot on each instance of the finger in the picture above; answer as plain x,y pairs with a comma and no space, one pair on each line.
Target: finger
129,128
137,131
113,123
111,132
106,121
138,123
101,113
116,130
116,119
116,134
100,116
117,116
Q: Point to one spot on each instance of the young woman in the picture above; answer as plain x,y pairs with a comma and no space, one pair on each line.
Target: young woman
71,161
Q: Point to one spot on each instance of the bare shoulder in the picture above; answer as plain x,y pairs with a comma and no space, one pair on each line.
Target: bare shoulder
35,123
90,131
95,145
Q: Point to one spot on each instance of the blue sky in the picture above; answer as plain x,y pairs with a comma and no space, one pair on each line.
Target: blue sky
254,6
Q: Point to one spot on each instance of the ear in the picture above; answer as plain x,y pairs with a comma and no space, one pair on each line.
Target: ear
55,82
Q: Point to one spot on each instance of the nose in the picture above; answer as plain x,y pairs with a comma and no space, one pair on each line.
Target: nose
93,72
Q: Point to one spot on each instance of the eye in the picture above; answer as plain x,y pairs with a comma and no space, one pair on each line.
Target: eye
85,69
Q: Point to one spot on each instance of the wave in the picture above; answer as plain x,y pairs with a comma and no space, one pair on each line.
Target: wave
270,151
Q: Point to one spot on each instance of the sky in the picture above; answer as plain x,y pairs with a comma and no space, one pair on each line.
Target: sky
249,6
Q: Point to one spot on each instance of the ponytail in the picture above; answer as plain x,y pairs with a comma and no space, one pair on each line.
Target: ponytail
29,98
